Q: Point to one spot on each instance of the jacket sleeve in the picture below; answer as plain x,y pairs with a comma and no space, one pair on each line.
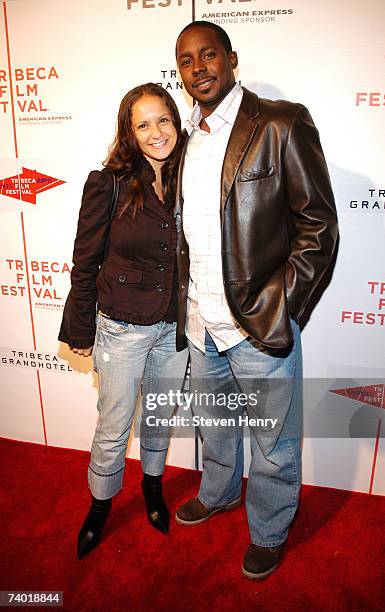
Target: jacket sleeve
312,205
78,323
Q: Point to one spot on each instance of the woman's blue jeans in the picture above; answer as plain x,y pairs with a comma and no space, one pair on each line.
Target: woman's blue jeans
275,379
125,356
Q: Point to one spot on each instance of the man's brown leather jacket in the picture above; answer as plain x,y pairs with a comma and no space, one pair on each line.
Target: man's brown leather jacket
278,216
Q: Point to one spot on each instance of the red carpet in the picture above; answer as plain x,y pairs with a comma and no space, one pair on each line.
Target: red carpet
335,555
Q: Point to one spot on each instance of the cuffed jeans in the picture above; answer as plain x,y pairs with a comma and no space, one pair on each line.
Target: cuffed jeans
124,356
274,381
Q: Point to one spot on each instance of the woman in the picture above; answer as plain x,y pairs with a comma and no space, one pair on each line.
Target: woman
127,267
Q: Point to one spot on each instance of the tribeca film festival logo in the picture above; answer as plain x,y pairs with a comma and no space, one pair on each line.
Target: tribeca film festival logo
153,3
27,185
45,277
377,316
26,92
32,360
370,98
234,16
371,395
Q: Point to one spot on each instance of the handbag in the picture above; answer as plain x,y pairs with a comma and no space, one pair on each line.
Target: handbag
65,324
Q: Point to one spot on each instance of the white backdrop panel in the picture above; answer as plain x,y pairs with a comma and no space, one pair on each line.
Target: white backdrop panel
67,89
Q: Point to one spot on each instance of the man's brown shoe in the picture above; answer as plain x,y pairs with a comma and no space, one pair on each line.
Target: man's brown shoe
261,561
194,512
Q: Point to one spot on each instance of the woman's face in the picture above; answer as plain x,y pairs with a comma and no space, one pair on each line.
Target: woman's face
153,127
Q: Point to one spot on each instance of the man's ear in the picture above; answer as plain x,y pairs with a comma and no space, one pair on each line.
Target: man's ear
233,57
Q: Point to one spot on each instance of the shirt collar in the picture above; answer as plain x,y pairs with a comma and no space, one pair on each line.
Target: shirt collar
226,112
146,171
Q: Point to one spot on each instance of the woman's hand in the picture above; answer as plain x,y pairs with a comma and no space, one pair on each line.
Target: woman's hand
84,352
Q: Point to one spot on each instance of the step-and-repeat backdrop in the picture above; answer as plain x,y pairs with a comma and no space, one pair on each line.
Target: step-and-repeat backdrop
64,67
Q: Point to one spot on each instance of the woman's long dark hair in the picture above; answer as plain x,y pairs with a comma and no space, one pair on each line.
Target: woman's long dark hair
125,156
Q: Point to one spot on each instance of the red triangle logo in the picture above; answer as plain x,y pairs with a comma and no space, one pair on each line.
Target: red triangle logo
26,186
372,395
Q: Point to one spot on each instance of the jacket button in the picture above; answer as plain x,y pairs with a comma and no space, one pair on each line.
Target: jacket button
159,288
161,268
183,286
122,278
182,252
164,225
163,246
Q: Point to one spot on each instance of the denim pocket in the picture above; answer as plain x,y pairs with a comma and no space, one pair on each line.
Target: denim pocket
113,326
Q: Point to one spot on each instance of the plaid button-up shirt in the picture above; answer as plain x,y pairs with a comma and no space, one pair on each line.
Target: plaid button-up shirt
207,308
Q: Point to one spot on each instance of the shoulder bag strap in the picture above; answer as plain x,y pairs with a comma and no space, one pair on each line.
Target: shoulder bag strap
114,200
112,208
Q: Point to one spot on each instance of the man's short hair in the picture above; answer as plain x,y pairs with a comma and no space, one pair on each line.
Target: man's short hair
222,35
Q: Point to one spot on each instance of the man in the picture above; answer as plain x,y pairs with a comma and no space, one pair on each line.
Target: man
259,231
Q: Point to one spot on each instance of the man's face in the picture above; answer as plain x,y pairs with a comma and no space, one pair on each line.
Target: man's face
205,67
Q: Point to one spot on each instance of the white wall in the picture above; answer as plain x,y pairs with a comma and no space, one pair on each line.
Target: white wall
81,58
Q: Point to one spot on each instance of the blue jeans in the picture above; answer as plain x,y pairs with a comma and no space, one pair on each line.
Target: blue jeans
125,356
275,379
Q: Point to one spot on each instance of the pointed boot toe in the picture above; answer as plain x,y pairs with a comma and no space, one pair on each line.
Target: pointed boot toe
92,528
157,512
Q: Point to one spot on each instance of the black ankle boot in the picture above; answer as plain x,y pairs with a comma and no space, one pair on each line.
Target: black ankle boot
92,528
157,512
